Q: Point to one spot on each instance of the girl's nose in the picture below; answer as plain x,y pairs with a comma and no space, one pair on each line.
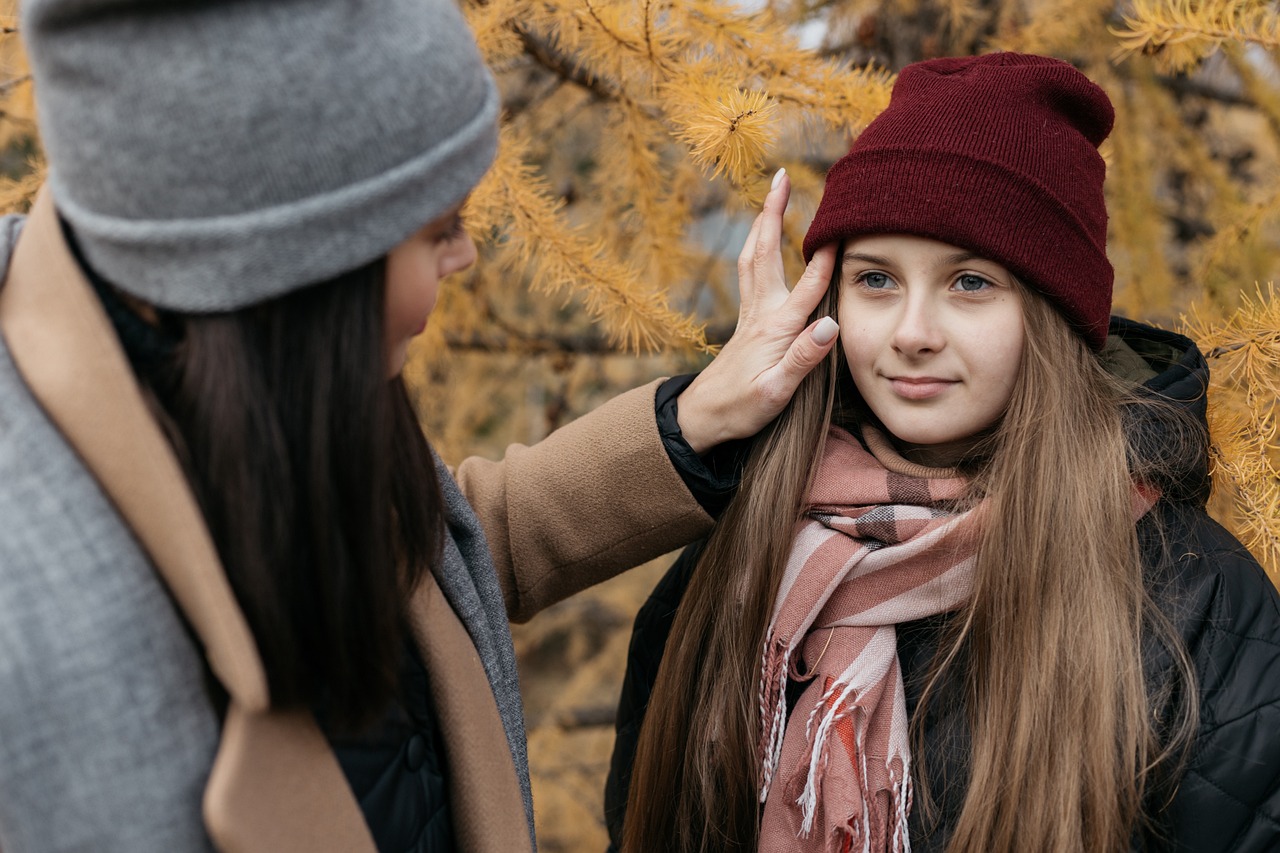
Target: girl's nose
918,331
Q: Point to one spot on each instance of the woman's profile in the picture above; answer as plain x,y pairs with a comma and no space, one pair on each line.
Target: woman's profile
966,597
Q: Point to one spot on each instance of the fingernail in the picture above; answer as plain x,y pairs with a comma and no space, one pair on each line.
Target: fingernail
823,333
777,178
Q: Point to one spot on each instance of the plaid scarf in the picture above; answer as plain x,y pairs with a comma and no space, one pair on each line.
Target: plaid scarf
876,547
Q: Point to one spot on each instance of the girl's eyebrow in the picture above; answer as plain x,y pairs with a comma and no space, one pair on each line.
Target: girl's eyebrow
868,259
947,260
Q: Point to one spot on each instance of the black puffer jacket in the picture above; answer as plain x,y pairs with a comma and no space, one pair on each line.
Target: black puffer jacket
397,769
1227,612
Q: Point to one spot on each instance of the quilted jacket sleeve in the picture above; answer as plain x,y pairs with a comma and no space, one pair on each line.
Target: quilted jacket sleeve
1229,799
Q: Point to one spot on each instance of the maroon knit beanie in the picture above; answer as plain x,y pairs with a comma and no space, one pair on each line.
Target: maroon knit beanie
995,154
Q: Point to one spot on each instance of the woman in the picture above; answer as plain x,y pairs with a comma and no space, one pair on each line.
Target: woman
966,597
241,604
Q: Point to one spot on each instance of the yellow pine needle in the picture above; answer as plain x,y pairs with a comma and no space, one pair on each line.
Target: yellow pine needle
1247,480
730,135
842,97
960,12
491,23
1054,28
766,49
723,29
630,44
1180,33
1244,416
515,203
1143,278
639,196
1220,252
17,194
17,95
1251,329
1259,90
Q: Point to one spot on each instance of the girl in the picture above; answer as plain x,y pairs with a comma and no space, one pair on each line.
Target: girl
1002,620
241,603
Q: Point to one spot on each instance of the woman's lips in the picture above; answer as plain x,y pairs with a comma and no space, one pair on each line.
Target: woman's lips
919,388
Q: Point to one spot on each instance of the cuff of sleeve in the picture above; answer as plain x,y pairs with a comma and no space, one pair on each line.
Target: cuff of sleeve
713,478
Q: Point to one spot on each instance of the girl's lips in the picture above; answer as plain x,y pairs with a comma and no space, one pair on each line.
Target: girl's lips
921,388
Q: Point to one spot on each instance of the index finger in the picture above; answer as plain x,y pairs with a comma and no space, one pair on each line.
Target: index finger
769,241
746,270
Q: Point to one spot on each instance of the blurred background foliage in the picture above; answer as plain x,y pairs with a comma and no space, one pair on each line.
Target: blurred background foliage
640,136
638,139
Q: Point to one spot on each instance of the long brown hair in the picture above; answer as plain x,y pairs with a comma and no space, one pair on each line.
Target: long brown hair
1064,740
315,480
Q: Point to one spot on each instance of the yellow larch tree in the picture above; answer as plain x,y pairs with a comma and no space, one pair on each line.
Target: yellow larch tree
637,140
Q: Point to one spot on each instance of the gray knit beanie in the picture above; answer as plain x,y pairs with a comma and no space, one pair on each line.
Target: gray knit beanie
210,154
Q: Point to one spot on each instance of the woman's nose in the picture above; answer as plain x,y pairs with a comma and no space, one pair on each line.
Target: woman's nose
464,254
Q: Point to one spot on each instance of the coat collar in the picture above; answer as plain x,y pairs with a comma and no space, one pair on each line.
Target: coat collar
275,784
68,353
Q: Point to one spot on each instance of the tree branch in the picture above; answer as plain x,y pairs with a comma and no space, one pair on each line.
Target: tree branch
509,341
16,81
564,67
1227,349
1187,86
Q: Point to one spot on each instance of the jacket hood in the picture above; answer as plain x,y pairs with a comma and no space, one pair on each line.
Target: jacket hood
1171,441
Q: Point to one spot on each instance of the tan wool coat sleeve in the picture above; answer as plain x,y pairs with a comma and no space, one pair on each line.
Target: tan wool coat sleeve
594,498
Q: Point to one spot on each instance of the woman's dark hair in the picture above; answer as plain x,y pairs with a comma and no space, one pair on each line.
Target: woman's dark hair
316,483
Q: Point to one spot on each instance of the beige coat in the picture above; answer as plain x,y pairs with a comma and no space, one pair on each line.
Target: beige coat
594,498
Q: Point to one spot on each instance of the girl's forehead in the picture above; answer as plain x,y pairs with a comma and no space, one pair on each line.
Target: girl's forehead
907,249
900,244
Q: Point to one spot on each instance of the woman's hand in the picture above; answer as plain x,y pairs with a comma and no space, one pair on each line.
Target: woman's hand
773,346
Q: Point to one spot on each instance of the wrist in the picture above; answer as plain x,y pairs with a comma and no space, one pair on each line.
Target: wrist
700,426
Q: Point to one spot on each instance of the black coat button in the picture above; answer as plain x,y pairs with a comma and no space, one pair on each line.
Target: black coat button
415,755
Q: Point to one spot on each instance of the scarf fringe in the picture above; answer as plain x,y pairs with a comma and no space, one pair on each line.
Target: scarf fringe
839,702
773,709
856,833
834,706
899,808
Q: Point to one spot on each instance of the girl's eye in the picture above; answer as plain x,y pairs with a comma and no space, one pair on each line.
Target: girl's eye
875,281
970,283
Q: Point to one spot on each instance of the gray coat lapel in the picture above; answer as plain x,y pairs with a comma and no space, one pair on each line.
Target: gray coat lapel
467,578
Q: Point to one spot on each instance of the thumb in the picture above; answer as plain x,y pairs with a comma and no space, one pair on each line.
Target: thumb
805,353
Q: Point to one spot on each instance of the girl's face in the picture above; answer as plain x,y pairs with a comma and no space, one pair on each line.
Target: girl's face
933,336
414,270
